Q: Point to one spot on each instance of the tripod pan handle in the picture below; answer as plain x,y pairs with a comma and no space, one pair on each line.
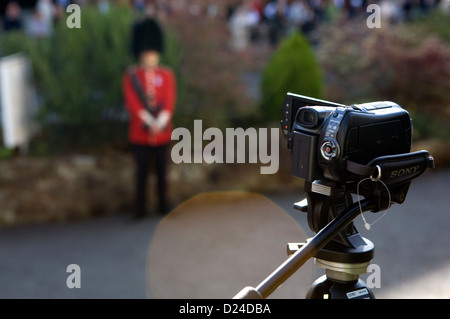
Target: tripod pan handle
248,293
292,264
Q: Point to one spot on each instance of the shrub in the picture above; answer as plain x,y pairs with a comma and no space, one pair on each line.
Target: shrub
210,73
343,57
406,64
292,68
418,78
436,23
78,73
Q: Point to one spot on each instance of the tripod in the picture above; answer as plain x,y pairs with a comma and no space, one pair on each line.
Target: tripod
344,257
337,245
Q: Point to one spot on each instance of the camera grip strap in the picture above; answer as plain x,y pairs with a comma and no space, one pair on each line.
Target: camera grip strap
394,169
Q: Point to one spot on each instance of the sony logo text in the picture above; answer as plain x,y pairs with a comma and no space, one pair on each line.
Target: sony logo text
404,171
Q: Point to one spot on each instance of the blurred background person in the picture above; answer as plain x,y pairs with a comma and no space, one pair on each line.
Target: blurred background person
37,26
46,11
150,93
12,20
242,24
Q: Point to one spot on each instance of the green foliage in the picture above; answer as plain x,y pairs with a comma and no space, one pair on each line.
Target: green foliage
209,73
5,153
427,126
292,68
408,64
437,23
80,70
78,73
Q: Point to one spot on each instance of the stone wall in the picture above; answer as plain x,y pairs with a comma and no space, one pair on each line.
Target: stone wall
57,189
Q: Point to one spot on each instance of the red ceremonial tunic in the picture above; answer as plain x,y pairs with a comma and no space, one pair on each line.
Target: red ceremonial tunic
160,83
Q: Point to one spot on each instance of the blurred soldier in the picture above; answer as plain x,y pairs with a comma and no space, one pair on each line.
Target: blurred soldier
150,93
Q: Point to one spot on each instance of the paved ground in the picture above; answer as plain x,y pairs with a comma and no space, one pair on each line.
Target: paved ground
215,244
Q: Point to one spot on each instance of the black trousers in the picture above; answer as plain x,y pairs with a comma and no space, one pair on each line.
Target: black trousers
143,156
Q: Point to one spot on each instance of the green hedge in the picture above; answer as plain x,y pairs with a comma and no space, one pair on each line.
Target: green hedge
407,63
78,73
292,68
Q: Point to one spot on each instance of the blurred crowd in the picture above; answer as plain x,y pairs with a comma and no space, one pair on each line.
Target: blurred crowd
248,20
37,21
251,20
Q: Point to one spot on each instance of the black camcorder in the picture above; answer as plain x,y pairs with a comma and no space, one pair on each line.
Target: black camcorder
339,151
329,140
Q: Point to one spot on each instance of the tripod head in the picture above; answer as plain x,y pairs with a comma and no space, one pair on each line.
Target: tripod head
383,181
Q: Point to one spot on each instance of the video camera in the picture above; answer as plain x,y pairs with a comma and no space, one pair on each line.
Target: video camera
340,151
342,143
324,135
